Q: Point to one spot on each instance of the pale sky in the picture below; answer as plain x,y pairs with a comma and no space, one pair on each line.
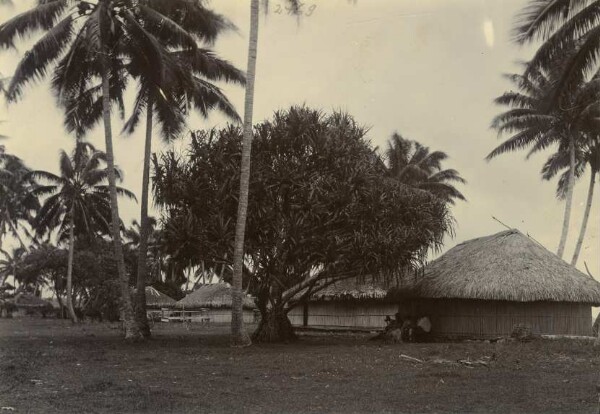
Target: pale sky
428,69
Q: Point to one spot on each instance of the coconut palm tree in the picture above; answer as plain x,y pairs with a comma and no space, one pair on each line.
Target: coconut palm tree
239,336
532,124
171,103
189,87
90,40
570,31
587,155
17,204
9,263
416,166
78,202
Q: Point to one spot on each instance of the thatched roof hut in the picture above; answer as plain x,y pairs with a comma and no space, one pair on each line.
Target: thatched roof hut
157,299
508,266
32,302
351,289
216,295
480,288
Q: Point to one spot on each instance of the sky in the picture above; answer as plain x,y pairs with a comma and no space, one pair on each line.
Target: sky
428,69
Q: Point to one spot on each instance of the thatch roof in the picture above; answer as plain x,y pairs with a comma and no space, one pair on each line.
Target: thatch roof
29,301
352,289
506,266
155,298
216,295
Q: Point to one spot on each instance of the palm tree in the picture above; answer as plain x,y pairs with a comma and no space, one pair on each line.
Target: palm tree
17,204
170,103
534,125
90,40
9,263
78,201
571,33
587,155
414,165
239,336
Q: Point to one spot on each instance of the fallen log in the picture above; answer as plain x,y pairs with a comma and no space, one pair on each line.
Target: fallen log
411,358
573,337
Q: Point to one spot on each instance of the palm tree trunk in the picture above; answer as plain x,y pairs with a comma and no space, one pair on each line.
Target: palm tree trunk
586,216
571,185
131,330
140,309
239,336
70,267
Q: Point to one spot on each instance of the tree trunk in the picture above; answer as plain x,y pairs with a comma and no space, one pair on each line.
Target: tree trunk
131,330
274,326
239,336
596,330
140,309
586,216
569,201
70,267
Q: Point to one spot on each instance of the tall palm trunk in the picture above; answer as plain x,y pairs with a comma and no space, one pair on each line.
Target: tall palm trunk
586,216
140,309
570,185
131,330
239,336
70,266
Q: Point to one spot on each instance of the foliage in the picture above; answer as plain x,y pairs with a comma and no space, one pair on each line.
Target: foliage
95,283
416,166
529,121
320,209
570,31
81,189
17,203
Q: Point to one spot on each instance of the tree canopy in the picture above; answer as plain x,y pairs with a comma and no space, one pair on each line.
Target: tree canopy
321,206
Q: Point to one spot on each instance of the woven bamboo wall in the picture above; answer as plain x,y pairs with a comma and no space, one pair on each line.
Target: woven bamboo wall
344,314
453,317
221,315
486,319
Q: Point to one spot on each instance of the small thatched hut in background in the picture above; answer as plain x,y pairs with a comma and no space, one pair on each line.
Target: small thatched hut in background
157,303
30,304
155,299
346,305
212,303
481,288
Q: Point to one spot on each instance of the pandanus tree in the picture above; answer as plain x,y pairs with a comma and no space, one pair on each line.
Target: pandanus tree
416,166
90,41
321,209
77,203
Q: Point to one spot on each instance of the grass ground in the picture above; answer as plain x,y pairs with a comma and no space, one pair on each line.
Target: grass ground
50,366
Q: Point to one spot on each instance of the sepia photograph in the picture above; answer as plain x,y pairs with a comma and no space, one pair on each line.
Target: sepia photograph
299,206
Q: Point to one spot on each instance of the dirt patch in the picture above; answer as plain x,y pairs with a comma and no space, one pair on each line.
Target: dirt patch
50,366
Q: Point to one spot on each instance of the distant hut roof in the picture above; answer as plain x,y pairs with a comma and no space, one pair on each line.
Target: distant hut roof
506,266
353,289
155,298
29,301
216,295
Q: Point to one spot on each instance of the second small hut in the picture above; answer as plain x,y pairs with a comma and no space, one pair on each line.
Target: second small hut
212,303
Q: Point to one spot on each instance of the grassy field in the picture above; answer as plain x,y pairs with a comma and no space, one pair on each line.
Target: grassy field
50,366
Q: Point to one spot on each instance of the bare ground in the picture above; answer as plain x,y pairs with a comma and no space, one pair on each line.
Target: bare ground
50,366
